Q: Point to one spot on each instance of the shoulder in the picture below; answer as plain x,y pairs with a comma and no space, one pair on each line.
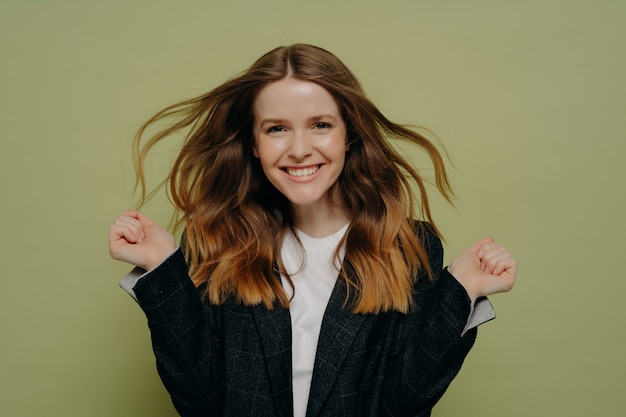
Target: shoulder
431,242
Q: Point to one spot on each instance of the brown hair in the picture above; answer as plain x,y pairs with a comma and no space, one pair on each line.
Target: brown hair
234,219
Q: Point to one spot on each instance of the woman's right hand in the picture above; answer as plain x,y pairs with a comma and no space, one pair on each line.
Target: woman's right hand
136,239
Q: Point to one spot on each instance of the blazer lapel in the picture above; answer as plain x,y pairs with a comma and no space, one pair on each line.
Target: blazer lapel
274,329
339,328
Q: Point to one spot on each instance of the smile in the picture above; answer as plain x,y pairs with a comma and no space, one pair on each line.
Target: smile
301,172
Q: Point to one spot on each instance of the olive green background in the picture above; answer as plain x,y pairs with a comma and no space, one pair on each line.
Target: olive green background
528,98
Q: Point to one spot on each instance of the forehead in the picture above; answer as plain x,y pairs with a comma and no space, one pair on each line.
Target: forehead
292,97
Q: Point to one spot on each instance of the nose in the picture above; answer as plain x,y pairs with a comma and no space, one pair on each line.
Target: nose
300,146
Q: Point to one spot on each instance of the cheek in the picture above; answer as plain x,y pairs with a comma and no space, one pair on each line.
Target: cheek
263,153
341,151
269,150
266,161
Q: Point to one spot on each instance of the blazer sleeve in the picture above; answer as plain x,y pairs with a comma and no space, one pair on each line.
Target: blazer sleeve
184,337
432,340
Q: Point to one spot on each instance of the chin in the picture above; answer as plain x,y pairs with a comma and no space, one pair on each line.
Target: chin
302,202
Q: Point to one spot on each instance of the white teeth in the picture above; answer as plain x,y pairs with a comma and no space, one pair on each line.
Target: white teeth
301,172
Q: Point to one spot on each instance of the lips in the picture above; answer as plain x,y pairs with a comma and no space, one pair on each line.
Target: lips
302,172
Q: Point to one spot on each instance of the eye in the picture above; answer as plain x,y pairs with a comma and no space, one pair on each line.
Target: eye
275,129
322,125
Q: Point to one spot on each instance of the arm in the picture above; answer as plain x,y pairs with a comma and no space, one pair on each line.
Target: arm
437,338
183,329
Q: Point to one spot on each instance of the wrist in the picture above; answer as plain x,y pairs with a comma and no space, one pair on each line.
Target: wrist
158,258
473,291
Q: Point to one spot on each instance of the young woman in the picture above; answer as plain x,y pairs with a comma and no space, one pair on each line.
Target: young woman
302,286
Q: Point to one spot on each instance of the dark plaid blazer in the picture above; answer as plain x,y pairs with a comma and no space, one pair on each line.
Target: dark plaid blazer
234,360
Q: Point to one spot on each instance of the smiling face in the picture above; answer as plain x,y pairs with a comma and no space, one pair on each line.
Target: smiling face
300,139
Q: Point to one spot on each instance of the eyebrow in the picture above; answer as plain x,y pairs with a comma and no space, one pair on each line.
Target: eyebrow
273,121
310,119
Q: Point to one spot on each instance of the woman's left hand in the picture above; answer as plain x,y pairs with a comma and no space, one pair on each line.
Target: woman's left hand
485,268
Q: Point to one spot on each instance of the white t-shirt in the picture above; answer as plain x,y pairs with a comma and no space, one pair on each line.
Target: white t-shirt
314,272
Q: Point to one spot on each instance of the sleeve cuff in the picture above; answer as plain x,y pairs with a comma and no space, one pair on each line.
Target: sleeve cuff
481,312
132,278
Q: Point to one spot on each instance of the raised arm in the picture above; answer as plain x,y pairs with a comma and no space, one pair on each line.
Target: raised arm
184,330
434,344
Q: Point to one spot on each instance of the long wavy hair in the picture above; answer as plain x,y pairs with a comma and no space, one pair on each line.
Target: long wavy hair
234,220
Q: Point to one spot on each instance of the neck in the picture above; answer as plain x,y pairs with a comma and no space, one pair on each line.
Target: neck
322,219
